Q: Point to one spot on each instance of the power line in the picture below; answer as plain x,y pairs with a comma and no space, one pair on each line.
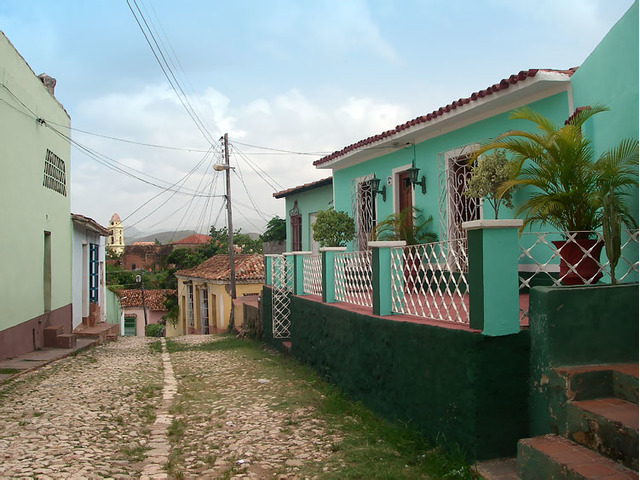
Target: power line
256,167
315,154
164,66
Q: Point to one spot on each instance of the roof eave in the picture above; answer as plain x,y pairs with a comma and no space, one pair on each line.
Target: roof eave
543,84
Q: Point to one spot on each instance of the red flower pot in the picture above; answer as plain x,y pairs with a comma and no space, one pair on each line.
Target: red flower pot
583,256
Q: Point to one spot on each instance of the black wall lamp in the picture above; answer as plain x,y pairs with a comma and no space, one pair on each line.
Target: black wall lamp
413,178
375,184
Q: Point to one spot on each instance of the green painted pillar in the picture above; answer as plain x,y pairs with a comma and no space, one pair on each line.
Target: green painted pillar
328,272
268,260
381,275
493,276
298,272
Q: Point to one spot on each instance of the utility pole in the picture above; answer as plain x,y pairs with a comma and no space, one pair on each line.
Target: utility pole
144,308
232,268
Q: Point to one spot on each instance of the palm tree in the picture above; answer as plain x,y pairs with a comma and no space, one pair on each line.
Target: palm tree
558,163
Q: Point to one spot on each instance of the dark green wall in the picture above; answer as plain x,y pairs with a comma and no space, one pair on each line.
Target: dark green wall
587,325
460,389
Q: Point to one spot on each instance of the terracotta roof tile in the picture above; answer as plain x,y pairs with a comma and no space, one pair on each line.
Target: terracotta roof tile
153,299
502,85
305,187
248,268
196,238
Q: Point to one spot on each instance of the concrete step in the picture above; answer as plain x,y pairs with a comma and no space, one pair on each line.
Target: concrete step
550,457
498,469
587,382
51,334
606,425
67,340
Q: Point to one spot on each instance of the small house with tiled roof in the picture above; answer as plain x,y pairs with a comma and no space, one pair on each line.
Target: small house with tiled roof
192,241
134,304
204,295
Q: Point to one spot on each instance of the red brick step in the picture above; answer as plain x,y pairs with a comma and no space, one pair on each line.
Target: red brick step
555,457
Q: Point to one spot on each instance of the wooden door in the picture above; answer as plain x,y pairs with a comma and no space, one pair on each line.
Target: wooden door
405,197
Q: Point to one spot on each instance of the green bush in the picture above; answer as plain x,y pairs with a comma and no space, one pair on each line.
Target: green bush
154,330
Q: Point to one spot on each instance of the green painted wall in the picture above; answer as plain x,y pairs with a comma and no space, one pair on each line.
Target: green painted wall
309,202
427,153
578,326
28,208
448,384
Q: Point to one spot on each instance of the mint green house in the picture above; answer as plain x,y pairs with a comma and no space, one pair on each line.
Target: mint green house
35,238
302,204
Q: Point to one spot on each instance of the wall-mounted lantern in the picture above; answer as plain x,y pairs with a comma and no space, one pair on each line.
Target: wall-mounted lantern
375,184
413,178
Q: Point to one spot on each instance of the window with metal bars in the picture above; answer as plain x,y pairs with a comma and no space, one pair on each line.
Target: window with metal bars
94,272
296,228
55,175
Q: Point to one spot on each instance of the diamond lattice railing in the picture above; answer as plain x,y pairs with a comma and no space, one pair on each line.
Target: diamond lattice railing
282,280
585,260
312,272
430,280
353,278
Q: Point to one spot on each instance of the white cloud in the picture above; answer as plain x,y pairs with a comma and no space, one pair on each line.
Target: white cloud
288,121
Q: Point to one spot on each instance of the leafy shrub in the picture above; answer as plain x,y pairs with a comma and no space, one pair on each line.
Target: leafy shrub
333,229
154,330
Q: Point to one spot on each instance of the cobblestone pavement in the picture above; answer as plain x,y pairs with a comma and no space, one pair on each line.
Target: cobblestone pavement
85,416
237,416
119,411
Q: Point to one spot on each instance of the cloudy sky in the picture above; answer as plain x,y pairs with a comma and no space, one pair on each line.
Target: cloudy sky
278,76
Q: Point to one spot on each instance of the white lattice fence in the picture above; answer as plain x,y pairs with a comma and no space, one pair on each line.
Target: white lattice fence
541,253
430,281
282,280
312,272
353,278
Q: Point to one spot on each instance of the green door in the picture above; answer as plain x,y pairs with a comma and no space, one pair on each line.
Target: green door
129,326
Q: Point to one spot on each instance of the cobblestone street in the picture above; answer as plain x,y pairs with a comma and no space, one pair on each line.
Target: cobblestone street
196,407
100,414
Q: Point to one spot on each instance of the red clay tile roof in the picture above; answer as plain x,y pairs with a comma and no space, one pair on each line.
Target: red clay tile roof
248,268
91,224
502,85
305,187
196,238
153,299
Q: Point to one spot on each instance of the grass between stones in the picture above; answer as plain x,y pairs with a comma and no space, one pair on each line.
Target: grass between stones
360,444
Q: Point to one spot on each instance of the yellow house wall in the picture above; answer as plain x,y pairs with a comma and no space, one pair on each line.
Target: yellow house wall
219,305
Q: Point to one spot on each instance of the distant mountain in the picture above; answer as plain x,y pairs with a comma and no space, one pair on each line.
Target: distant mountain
163,237
132,235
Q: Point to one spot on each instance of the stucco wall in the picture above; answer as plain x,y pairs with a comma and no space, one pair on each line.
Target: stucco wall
29,208
427,158
82,238
309,202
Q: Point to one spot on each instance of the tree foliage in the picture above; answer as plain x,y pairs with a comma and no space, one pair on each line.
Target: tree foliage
488,174
333,229
276,230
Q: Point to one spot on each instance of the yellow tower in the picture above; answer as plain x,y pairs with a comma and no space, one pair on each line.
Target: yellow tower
115,241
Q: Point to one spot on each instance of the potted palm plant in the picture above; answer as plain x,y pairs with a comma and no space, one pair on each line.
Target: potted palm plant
567,187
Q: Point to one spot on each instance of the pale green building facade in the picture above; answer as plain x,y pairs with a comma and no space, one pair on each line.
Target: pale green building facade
35,237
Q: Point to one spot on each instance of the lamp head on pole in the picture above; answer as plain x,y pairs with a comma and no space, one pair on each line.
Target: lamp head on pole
221,167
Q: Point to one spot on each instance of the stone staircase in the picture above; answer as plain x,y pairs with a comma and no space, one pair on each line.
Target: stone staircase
595,411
